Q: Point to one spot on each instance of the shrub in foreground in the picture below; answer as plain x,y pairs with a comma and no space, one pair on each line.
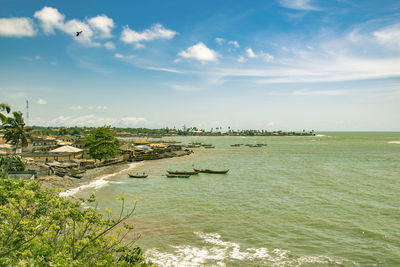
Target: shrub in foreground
39,228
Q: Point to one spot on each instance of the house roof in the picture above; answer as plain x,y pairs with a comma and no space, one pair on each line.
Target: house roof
69,149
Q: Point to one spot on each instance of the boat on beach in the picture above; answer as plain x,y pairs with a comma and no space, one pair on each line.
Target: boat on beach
182,172
177,176
212,171
136,175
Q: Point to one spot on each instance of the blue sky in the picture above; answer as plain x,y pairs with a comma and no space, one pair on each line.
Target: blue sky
271,64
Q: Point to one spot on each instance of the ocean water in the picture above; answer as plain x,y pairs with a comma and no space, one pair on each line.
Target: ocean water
329,200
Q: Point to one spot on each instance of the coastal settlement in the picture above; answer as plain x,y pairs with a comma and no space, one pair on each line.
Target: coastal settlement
66,155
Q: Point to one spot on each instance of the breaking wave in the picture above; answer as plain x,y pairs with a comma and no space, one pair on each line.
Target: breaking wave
99,182
217,252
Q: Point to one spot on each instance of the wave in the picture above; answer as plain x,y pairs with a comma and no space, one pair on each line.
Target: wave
394,142
218,252
99,182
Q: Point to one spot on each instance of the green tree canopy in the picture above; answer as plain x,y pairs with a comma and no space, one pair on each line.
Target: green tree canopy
39,228
15,132
102,143
4,107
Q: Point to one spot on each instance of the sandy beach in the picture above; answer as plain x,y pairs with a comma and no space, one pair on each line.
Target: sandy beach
98,177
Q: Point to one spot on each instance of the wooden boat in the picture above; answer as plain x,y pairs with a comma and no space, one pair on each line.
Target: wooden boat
212,171
177,176
182,172
76,173
133,175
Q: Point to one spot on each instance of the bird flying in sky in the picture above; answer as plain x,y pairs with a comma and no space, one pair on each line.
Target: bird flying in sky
77,33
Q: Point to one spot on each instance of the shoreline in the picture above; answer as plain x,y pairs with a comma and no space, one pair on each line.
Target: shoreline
97,177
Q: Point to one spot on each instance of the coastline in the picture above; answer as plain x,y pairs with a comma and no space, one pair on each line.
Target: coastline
97,177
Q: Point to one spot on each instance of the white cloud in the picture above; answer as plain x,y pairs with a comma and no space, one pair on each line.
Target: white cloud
50,19
242,59
184,88
389,36
17,27
319,92
139,46
220,41
199,52
98,108
317,69
53,63
41,102
157,31
234,43
121,56
265,56
76,107
162,69
90,120
103,24
298,4
32,58
250,53
109,45
268,57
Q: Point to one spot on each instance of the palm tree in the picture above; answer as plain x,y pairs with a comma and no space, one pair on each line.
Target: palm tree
15,133
4,107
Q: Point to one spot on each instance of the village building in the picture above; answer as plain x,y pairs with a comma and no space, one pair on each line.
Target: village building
63,153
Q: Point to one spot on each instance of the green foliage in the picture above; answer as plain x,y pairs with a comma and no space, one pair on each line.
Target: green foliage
4,107
16,164
102,143
15,131
38,228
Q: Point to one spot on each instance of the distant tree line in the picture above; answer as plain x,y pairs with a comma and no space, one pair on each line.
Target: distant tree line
184,131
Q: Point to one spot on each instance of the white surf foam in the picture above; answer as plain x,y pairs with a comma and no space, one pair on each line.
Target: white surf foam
99,182
222,253
394,142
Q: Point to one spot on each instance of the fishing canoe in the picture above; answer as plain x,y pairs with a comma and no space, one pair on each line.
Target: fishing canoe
182,172
212,171
132,175
177,176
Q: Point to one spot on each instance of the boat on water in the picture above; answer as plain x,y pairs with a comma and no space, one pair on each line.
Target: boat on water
136,175
212,171
177,176
182,172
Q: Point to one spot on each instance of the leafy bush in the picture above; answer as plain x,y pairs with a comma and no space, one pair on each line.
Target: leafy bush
16,164
39,228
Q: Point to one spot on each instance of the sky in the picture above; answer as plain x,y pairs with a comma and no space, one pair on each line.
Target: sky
262,64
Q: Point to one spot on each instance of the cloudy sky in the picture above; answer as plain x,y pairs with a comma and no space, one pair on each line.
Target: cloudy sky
261,64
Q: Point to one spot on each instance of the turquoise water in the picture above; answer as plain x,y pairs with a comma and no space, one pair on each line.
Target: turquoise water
300,201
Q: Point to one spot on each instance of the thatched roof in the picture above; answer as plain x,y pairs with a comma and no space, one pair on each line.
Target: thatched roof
69,149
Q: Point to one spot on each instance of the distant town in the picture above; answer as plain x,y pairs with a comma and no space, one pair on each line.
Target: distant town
183,131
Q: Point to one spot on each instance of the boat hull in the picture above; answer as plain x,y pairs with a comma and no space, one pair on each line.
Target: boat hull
177,176
182,172
212,171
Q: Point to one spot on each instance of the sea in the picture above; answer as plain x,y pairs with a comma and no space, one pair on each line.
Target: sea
327,200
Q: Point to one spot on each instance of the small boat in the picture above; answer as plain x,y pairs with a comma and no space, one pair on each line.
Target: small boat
212,171
183,172
136,175
177,176
76,173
